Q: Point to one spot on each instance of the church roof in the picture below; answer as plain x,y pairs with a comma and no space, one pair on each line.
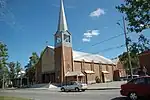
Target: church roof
88,57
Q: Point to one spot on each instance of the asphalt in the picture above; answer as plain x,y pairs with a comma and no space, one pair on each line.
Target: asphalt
57,95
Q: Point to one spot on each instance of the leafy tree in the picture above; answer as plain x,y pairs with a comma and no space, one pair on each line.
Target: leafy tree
143,43
3,55
3,61
137,14
18,68
134,49
30,67
34,59
12,70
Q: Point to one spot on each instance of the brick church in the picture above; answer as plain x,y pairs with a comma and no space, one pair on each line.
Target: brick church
61,63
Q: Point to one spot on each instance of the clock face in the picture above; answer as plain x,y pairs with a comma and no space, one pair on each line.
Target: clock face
58,40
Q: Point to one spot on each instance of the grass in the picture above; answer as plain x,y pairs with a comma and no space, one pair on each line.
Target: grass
12,98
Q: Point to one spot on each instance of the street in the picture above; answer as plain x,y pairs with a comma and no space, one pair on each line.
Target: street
57,95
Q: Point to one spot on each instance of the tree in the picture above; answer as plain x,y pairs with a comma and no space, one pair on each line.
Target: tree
3,61
18,68
137,14
3,55
30,67
135,48
143,43
12,71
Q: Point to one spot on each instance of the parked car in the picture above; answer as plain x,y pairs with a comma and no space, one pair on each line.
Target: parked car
77,86
137,87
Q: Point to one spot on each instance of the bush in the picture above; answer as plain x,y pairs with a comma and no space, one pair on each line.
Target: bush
97,79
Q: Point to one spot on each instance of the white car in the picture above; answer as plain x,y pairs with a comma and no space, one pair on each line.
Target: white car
74,86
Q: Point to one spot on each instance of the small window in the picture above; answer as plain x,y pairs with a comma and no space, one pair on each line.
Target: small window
92,67
148,80
66,38
58,39
140,81
107,68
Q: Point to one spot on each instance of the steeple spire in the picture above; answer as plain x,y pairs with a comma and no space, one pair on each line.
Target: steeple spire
62,24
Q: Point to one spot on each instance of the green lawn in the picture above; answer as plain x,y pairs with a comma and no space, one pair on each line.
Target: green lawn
12,98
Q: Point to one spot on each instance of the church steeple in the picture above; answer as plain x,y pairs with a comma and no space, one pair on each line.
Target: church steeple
62,24
63,47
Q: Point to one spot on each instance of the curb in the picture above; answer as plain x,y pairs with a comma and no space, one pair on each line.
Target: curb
103,89
58,89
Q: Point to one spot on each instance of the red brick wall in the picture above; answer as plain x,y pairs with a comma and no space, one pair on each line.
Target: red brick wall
145,60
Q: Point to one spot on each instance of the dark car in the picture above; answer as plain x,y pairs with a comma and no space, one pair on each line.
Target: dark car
137,87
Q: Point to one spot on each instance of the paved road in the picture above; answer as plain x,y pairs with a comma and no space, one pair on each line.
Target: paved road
56,95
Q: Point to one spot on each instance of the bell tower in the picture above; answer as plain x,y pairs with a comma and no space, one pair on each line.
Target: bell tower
63,47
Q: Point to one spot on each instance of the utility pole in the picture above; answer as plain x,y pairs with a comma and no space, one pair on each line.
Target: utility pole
129,58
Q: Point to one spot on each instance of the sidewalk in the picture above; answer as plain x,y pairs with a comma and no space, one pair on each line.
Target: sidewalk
106,86
97,86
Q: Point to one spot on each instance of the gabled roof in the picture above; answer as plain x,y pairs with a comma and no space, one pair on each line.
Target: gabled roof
87,57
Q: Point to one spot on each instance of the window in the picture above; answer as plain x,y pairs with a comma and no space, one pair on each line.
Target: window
66,38
139,81
82,66
58,39
92,67
107,68
148,80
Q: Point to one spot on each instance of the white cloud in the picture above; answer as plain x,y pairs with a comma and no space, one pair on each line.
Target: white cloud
95,32
89,34
98,12
86,39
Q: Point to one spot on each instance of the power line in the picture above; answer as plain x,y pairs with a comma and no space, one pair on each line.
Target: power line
117,47
105,50
113,37
108,39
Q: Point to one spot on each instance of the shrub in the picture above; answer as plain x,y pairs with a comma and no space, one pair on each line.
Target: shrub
97,79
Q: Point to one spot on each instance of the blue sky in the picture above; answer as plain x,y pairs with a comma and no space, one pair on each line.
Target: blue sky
26,25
